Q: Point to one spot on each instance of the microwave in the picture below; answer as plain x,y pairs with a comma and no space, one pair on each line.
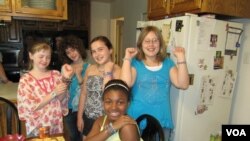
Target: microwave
9,56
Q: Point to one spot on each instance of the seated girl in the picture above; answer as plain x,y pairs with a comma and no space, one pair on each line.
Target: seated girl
115,125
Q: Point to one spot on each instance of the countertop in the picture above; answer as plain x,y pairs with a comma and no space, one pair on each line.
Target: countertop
9,91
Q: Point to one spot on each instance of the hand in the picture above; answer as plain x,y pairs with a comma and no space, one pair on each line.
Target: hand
60,88
130,52
123,120
80,124
67,71
179,53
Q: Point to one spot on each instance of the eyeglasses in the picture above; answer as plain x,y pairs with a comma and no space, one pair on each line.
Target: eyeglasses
153,41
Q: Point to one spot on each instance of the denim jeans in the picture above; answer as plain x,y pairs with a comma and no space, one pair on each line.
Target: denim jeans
71,126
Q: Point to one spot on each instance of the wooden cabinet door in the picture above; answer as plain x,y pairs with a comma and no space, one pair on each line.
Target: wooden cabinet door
48,26
219,7
79,15
54,12
5,6
84,15
157,9
242,8
180,6
27,24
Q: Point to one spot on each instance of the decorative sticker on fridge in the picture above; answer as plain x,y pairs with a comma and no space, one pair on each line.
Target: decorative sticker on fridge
232,40
213,40
207,90
201,64
207,93
218,60
206,27
165,30
228,84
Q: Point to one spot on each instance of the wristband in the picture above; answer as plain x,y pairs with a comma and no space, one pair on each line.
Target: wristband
124,59
53,95
66,80
182,62
111,130
80,83
110,74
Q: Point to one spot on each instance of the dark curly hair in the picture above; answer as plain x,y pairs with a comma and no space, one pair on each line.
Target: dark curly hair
71,41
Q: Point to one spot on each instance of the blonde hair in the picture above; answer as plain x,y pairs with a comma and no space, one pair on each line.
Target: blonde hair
36,47
161,54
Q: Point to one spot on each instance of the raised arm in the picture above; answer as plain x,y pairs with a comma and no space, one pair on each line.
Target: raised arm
179,74
128,73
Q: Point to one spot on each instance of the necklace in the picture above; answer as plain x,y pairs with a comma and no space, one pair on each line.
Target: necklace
100,69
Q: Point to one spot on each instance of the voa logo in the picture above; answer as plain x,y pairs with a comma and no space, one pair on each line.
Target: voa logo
236,132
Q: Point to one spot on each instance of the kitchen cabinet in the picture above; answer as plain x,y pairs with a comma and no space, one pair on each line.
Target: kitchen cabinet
158,9
10,33
39,25
5,5
55,10
78,15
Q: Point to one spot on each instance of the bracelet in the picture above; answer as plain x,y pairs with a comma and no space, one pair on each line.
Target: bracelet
111,130
124,59
66,80
109,74
53,95
182,62
80,83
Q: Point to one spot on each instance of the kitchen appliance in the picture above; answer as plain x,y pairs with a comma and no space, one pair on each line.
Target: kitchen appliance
10,62
212,50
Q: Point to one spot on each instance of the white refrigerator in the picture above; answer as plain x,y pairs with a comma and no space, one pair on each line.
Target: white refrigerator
212,50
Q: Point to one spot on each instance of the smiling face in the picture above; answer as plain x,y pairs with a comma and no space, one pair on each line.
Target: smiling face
151,45
100,52
73,54
115,104
41,59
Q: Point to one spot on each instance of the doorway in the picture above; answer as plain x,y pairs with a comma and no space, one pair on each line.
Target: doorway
116,36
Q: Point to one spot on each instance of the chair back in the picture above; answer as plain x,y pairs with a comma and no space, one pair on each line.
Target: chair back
10,123
152,131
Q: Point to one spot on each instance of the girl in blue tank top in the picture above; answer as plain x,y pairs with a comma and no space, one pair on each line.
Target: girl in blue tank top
150,72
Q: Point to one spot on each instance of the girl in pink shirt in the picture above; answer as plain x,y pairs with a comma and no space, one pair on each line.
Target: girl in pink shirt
42,93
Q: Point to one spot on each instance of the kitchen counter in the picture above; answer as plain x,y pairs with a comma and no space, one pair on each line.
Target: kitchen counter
9,91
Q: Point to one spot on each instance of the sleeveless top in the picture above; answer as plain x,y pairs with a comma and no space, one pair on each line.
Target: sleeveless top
115,136
93,105
75,90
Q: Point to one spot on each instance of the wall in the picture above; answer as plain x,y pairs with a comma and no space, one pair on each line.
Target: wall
132,11
100,18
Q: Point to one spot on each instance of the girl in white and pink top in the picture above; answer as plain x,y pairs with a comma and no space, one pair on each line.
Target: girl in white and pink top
42,93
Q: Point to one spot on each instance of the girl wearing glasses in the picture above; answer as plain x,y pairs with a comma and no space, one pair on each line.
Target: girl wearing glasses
150,72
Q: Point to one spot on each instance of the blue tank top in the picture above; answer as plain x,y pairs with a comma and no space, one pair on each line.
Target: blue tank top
75,91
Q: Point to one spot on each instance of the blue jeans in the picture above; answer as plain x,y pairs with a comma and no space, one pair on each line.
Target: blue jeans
71,126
